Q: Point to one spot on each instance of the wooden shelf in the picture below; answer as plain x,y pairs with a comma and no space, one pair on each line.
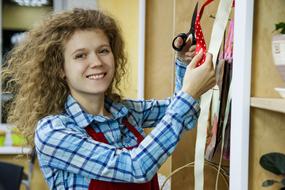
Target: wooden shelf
273,104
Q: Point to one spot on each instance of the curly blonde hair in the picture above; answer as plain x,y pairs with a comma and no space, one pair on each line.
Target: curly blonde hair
33,69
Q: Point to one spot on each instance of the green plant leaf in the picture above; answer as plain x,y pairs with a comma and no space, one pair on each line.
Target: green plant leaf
269,182
280,26
273,162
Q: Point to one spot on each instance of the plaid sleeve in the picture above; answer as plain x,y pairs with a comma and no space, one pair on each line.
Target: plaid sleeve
149,112
61,147
162,140
180,69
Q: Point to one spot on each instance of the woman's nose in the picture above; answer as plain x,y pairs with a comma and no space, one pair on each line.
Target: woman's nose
95,61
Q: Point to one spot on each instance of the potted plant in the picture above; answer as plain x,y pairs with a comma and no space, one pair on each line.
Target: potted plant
275,163
278,52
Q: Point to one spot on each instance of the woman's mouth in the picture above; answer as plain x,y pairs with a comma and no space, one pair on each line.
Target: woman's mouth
96,76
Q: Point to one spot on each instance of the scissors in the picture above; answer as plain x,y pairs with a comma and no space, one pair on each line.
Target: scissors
184,36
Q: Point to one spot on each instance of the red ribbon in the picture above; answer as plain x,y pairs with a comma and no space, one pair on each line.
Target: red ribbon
201,44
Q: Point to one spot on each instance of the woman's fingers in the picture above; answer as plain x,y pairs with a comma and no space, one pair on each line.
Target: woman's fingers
196,60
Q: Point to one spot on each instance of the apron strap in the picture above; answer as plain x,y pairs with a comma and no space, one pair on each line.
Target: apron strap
101,138
96,136
100,185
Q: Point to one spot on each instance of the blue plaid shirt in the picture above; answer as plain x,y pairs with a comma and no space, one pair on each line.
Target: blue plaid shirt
69,158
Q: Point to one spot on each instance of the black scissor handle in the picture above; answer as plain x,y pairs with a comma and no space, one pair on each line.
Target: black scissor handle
184,38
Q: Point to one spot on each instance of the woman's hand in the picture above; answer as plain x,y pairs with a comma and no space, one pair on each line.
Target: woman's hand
187,53
198,80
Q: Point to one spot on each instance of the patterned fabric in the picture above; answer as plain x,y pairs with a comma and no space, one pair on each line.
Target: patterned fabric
201,44
69,157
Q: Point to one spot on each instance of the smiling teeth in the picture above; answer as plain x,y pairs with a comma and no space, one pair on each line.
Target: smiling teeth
96,77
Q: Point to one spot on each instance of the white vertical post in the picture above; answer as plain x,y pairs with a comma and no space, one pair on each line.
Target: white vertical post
242,56
141,49
59,5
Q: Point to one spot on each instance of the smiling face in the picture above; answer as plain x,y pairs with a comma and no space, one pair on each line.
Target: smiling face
89,64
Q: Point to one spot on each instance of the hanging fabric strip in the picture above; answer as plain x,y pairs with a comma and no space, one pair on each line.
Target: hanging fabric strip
204,114
223,70
229,42
219,27
201,44
215,43
229,99
229,59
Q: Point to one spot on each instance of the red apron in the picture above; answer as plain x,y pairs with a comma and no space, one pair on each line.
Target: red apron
103,185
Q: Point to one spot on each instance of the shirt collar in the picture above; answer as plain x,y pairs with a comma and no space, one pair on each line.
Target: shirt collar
83,119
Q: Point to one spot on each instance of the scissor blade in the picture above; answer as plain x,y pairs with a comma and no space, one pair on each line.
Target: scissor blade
192,29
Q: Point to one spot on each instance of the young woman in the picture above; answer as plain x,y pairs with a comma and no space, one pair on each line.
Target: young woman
66,75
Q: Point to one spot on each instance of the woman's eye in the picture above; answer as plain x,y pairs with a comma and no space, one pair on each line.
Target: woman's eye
104,51
80,56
